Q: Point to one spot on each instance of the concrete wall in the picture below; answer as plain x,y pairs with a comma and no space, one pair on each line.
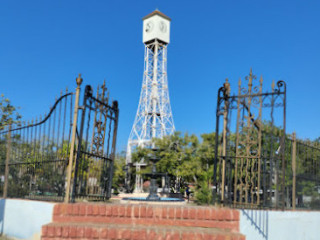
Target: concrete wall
23,219
284,225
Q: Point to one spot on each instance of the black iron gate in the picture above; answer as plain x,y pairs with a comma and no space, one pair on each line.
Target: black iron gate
34,155
96,146
249,166
37,158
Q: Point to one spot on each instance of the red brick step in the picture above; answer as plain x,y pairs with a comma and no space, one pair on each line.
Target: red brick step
84,231
208,217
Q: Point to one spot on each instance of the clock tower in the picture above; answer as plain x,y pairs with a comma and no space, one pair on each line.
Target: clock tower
154,117
156,25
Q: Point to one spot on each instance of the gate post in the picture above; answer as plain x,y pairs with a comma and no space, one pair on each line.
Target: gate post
113,147
224,140
73,138
215,183
87,93
294,169
6,174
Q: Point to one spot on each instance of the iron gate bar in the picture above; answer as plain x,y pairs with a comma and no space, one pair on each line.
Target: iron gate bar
221,95
95,155
115,108
38,162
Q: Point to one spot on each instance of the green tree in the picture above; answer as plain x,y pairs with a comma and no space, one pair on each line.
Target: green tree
186,159
118,173
8,113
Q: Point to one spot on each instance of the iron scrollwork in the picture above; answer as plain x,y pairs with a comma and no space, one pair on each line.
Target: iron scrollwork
100,121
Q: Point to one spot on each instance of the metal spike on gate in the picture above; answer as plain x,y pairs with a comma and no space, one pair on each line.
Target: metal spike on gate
261,81
273,85
98,87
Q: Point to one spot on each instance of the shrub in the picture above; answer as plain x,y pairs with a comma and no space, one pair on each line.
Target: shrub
203,194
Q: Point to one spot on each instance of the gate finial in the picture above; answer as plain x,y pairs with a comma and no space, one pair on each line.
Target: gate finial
226,86
79,80
251,76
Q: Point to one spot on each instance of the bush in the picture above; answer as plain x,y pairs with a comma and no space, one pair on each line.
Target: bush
315,203
203,194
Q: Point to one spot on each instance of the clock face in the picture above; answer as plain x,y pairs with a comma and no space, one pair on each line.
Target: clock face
162,27
149,26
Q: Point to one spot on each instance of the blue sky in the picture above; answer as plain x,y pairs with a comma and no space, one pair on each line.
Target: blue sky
45,44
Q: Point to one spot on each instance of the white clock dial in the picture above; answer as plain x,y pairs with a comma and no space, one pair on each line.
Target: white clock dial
149,26
162,26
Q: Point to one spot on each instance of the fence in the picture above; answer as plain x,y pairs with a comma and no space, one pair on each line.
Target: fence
49,159
36,154
303,184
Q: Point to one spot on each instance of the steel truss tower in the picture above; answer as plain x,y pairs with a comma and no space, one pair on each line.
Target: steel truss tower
154,117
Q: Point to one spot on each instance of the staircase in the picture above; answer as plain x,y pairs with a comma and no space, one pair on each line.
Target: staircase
142,222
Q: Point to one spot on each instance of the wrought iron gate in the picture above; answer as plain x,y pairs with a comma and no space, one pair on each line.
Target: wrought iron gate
96,146
37,158
34,155
249,166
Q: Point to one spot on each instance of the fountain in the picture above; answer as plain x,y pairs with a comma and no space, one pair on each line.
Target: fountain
153,195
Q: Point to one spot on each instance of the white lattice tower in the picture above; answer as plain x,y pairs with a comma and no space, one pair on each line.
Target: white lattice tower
154,116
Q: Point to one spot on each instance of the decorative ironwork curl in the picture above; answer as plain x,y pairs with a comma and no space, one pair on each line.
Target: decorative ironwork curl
256,89
282,87
256,100
244,91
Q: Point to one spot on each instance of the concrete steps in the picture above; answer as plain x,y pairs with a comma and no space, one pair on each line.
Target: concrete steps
119,221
